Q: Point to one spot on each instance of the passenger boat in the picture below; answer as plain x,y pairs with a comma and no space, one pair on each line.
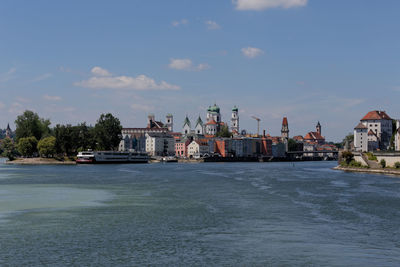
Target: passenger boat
103,157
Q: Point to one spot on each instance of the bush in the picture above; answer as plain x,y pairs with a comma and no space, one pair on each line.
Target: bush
397,165
348,157
383,163
47,147
371,156
27,146
355,164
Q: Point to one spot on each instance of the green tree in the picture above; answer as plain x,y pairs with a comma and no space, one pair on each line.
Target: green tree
383,163
108,132
349,138
292,145
63,135
8,148
27,146
30,124
47,147
224,132
348,157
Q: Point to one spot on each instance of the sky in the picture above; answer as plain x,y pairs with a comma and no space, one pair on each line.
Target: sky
308,60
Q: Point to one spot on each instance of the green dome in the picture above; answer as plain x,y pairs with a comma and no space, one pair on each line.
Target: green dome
235,109
214,108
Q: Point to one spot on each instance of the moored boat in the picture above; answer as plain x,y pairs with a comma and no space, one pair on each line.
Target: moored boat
103,157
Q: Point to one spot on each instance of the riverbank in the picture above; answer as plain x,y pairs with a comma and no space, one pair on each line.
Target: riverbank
39,161
368,170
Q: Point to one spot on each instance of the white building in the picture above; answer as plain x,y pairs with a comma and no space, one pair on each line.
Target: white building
235,120
379,131
397,137
197,149
160,144
361,138
187,128
199,128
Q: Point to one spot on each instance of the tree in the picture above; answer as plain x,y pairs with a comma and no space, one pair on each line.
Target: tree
27,146
107,132
30,124
63,135
224,132
47,147
348,157
8,148
293,145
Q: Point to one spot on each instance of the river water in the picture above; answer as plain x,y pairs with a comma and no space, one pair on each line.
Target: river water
211,214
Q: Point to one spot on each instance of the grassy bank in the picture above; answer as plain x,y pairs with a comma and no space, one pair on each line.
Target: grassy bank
40,161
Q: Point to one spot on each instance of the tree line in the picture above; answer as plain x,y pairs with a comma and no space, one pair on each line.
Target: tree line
35,137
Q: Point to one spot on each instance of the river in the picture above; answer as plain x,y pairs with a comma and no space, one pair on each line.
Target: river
210,214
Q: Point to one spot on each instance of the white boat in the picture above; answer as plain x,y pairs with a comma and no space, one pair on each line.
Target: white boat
102,157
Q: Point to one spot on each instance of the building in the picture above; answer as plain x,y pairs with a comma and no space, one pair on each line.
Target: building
374,131
199,128
187,127
315,137
181,148
361,138
285,133
235,121
198,148
212,127
8,131
380,124
135,138
397,136
160,144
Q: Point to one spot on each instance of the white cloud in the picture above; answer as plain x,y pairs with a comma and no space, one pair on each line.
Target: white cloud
186,64
97,71
177,23
265,4
52,98
16,108
5,77
142,107
212,25
252,52
102,79
42,77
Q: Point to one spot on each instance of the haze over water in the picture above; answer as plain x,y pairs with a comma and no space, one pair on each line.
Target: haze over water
232,214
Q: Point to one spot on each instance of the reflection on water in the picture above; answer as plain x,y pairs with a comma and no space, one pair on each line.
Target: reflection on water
235,214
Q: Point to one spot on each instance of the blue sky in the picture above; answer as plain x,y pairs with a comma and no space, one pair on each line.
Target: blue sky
309,60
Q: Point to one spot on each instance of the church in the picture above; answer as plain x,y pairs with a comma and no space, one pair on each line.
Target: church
213,123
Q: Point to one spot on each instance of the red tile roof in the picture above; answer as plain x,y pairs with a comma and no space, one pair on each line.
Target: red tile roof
361,126
213,122
376,115
314,136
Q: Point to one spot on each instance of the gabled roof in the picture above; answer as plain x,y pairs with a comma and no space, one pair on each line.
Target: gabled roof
314,136
376,115
370,132
360,126
187,121
199,121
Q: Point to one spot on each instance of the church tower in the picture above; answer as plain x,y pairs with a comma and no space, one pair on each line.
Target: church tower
169,122
8,131
285,133
235,120
285,129
319,128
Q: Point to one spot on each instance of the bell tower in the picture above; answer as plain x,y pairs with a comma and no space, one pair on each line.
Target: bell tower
169,122
318,128
235,120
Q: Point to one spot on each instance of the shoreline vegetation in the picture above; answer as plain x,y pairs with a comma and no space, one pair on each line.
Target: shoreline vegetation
40,161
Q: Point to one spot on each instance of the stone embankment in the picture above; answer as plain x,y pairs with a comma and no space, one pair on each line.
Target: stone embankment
39,161
369,170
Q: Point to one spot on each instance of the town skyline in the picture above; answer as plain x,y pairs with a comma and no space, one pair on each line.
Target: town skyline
272,61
